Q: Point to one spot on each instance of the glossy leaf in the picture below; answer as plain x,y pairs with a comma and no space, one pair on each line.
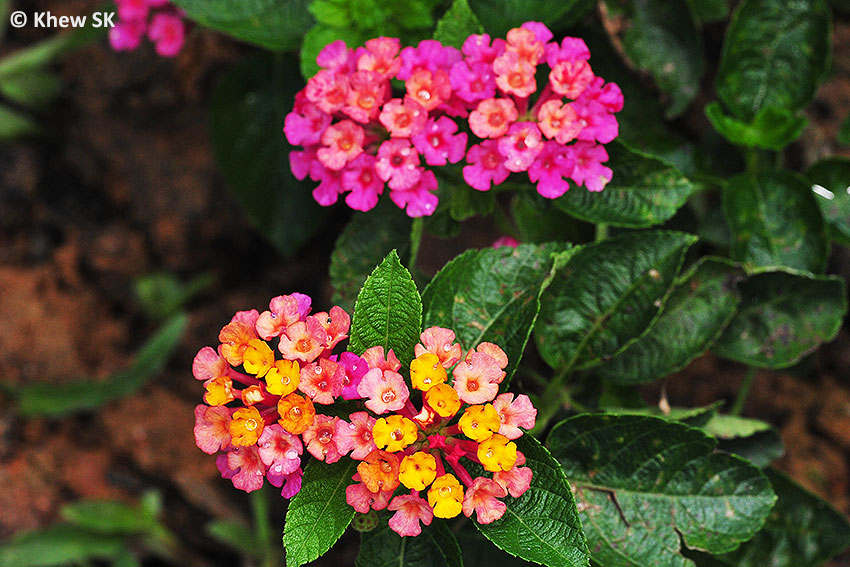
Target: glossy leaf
49,399
642,483
643,192
382,547
247,111
831,179
458,23
388,311
752,439
273,24
775,54
700,306
783,317
774,221
770,129
802,531
695,417
318,515
606,295
543,524
499,16
363,244
490,295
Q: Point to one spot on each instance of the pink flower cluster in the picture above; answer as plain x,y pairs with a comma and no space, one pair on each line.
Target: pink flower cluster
479,104
158,19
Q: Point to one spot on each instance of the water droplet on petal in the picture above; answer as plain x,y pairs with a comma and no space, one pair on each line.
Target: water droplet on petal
318,369
291,454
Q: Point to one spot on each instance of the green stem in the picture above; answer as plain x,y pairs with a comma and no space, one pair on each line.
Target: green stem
415,240
744,391
260,511
601,232
554,396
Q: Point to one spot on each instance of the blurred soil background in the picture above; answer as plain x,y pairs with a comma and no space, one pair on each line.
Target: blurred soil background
124,184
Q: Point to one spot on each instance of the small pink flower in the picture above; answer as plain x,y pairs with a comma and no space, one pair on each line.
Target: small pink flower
168,33
212,431
429,88
477,49
251,468
247,318
505,241
409,510
356,436
306,163
439,341
588,165
598,124
379,55
367,92
336,56
385,389
322,381
208,364
361,178
492,117
279,450
550,170
375,358
284,310
516,480
521,146
355,368
303,340
476,379
514,413
608,95
419,200
486,166
328,90
343,142
472,82
483,498
132,9
320,439
524,42
330,186
495,352
515,74
430,54
541,32
558,122
336,325
291,483
305,124
362,499
127,35
571,49
570,78
398,164
403,118
439,143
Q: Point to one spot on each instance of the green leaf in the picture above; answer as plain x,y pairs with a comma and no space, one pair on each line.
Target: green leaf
843,135
318,515
490,295
49,399
479,552
643,192
801,531
363,243
783,317
499,16
709,11
832,194
775,54
247,112
695,417
388,311
382,547
751,439
543,524
770,129
661,38
273,24
108,517
58,545
13,124
606,295
458,23
642,483
237,535
163,294
34,88
700,306
775,221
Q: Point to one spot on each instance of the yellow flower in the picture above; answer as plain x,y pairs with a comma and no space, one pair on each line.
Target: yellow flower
418,470
282,378
426,371
258,358
443,399
446,496
219,391
394,433
246,426
497,453
480,422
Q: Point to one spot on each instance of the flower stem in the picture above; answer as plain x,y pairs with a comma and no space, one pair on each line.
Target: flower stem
415,240
744,391
601,232
260,512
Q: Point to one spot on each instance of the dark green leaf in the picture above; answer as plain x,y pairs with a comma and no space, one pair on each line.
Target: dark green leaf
543,524
108,517
479,552
708,11
702,303
235,534
163,294
388,311
13,124
775,221
490,295
695,417
382,547
843,135
499,16
642,483
458,23
832,194
783,317
643,192
318,515
59,545
801,531
606,295
661,38
751,439
247,111
771,129
59,399
363,244
34,88
775,54
274,24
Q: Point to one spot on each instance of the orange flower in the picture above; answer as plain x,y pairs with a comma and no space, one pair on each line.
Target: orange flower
296,413
245,426
379,471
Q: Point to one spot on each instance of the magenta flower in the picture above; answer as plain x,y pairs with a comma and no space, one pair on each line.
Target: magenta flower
419,200
336,57
486,166
439,143
355,368
550,170
291,483
588,165
398,164
306,123
279,450
430,55
410,511
127,35
521,146
168,33
478,49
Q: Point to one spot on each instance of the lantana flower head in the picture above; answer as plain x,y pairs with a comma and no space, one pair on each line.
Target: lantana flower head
163,23
481,105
